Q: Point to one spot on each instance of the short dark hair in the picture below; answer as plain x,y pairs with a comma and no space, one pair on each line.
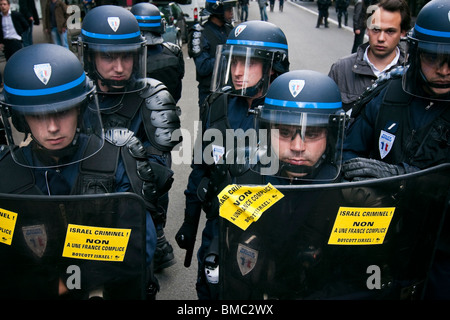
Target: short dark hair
402,7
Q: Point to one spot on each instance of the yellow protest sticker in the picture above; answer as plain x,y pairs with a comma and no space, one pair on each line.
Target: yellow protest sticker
361,226
243,205
7,225
96,243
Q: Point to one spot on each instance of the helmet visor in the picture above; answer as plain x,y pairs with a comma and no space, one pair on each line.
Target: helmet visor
49,138
427,74
301,145
116,68
242,71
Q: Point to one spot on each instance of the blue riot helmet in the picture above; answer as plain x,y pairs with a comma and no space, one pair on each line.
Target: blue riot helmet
429,46
219,7
111,37
305,122
51,108
254,54
151,22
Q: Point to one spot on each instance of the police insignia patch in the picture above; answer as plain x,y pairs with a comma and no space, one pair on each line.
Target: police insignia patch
246,258
43,71
239,30
35,238
385,143
218,152
296,86
114,23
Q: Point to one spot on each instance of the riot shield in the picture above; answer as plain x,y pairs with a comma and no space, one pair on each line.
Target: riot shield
372,239
92,245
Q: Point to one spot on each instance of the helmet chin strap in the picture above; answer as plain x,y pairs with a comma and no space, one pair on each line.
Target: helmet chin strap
428,85
112,83
433,85
53,156
250,91
309,170
110,103
221,17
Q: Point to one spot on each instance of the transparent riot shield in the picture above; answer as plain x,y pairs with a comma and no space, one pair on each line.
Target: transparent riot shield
353,240
72,247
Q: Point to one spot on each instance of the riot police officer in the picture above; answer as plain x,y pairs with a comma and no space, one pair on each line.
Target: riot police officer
113,52
287,251
203,40
405,126
164,59
305,125
303,119
57,145
423,92
237,88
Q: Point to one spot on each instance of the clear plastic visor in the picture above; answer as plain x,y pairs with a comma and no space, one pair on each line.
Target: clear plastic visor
242,71
54,138
301,146
235,14
428,74
117,68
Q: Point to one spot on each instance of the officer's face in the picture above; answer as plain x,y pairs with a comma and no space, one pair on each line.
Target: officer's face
297,146
54,131
114,66
228,14
384,33
245,73
436,69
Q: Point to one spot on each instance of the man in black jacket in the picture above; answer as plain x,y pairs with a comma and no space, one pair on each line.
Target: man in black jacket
359,23
28,9
323,6
13,25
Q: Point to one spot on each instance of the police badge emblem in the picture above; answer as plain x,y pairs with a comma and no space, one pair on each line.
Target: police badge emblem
296,86
239,30
114,23
35,238
43,71
246,258
218,152
385,143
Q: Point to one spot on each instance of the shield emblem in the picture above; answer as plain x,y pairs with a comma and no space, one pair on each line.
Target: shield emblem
43,71
114,23
385,143
238,30
218,152
296,86
35,238
246,258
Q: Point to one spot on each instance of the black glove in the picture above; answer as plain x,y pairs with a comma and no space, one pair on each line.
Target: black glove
358,169
157,180
185,237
